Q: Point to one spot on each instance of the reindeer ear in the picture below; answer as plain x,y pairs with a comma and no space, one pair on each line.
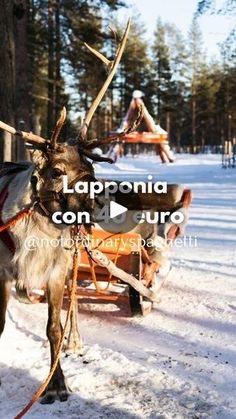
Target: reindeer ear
39,158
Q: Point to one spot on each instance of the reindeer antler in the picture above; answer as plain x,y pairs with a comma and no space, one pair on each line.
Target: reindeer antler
58,128
28,136
111,66
132,127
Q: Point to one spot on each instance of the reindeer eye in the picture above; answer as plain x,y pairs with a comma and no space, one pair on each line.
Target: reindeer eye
56,173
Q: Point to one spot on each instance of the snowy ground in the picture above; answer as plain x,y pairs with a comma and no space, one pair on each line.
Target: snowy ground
178,362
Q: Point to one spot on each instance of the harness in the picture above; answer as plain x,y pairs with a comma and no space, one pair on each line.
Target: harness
9,168
56,195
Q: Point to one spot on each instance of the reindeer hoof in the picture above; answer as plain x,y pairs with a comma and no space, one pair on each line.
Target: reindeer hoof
74,347
79,351
49,396
63,395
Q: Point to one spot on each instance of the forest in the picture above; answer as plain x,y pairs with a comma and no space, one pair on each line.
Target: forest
45,65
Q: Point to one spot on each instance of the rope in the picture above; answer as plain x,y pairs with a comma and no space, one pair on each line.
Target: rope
93,273
116,256
58,353
94,278
11,223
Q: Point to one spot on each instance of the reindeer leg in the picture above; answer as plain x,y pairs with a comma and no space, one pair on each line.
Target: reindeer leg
5,289
74,344
57,387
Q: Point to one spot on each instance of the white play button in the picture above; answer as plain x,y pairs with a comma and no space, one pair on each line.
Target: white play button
111,217
116,209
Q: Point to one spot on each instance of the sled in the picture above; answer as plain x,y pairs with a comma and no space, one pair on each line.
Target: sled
146,138
97,284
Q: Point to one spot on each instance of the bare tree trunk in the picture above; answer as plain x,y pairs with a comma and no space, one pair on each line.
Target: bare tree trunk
111,113
178,141
23,88
229,127
7,74
51,98
32,64
203,139
97,134
193,120
168,124
58,58
37,125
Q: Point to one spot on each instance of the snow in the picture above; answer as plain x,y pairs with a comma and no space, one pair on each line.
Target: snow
180,360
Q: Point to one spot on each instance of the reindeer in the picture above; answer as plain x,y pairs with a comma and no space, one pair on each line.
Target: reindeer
40,186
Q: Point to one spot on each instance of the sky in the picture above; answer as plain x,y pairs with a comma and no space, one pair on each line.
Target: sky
180,12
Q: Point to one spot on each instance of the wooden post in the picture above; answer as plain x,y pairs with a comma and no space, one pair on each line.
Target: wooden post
7,74
7,146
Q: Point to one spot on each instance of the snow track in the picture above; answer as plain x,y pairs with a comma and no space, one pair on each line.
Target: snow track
178,362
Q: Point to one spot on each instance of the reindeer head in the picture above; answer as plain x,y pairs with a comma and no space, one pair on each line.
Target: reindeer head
52,162
48,175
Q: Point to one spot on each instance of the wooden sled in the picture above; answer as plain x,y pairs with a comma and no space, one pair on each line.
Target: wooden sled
95,283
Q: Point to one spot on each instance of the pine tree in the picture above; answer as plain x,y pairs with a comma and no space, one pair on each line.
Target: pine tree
196,59
162,71
179,64
134,65
203,6
207,88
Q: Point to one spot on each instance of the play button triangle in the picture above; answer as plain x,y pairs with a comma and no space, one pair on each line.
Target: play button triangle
116,209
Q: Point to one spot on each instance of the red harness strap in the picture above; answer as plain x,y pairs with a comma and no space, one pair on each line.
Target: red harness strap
4,235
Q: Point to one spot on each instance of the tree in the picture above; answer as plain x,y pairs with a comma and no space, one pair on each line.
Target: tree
207,88
134,65
7,73
22,79
51,62
84,22
228,7
196,58
49,37
179,63
162,71
58,46
204,6
225,98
